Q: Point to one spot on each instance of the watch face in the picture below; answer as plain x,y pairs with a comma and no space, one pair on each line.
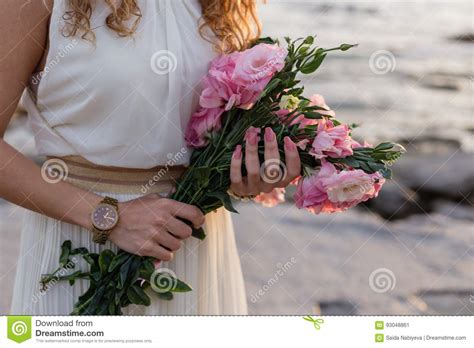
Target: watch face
104,217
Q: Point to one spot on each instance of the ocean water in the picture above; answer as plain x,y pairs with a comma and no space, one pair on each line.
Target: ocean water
407,80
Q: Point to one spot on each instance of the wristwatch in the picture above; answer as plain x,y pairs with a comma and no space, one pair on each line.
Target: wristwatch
104,218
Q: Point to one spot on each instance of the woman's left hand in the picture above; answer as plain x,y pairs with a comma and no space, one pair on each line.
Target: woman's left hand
260,177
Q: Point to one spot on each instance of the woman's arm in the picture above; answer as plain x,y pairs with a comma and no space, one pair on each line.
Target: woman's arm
148,226
23,38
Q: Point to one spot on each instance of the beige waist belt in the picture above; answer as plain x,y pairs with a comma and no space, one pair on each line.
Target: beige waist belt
91,177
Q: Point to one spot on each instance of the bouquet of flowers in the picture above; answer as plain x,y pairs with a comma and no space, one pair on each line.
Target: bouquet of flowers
243,93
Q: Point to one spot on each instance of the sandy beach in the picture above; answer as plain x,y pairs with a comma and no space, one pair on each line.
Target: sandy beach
297,263
411,250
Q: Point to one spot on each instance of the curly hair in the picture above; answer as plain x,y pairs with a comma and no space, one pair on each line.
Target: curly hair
234,23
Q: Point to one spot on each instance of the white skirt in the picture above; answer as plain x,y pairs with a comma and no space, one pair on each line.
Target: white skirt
211,267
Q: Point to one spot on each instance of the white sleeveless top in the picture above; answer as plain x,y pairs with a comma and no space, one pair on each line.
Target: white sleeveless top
124,102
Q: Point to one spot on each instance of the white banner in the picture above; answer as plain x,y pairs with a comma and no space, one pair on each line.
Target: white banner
234,331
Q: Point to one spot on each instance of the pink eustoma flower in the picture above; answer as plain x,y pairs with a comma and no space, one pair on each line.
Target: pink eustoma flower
220,88
330,191
255,67
202,123
332,141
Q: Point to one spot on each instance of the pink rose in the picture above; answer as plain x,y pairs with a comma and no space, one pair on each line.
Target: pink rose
202,123
271,199
332,141
255,67
330,191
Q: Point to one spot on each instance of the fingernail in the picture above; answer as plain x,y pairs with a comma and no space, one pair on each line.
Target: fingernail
253,139
238,152
289,144
269,134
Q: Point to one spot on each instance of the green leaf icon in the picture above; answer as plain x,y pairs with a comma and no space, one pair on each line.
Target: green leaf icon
19,328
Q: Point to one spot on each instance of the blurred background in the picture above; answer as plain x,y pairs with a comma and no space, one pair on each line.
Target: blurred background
410,251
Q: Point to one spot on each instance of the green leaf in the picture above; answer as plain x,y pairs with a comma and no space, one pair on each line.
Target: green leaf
271,85
201,176
225,199
181,287
351,161
313,115
88,259
137,296
376,167
124,273
79,251
313,65
112,308
266,40
65,252
365,168
199,233
95,271
134,270
384,146
386,173
118,261
149,264
86,296
105,259
362,157
166,296
295,92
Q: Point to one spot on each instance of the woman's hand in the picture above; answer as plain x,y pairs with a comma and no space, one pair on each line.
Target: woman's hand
257,180
149,226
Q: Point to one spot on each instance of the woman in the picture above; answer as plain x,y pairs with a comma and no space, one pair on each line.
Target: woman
110,86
